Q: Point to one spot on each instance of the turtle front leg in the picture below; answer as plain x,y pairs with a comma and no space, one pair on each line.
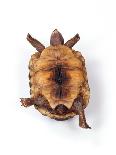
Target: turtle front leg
35,43
80,110
70,43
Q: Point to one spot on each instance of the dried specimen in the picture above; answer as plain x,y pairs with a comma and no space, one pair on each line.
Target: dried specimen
58,79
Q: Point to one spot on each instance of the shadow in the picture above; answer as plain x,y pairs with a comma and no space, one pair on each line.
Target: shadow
94,109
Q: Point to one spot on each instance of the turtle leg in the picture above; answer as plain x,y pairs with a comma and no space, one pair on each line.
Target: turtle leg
26,102
35,43
70,43
80,110
39,101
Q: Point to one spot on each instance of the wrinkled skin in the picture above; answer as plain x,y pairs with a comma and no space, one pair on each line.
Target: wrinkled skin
58,79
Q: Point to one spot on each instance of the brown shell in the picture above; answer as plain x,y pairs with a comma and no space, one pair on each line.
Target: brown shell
42,78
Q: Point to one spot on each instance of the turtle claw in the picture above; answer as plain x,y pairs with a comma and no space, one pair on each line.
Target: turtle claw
26,102
84,125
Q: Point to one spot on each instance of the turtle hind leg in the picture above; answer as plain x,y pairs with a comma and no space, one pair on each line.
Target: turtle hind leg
39,101
26,102
79,109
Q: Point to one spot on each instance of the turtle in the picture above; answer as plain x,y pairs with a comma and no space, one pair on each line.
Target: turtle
58,83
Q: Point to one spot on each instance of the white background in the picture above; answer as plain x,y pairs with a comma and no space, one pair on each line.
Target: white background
26,131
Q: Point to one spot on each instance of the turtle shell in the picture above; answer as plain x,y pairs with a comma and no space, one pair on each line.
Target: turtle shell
59,76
